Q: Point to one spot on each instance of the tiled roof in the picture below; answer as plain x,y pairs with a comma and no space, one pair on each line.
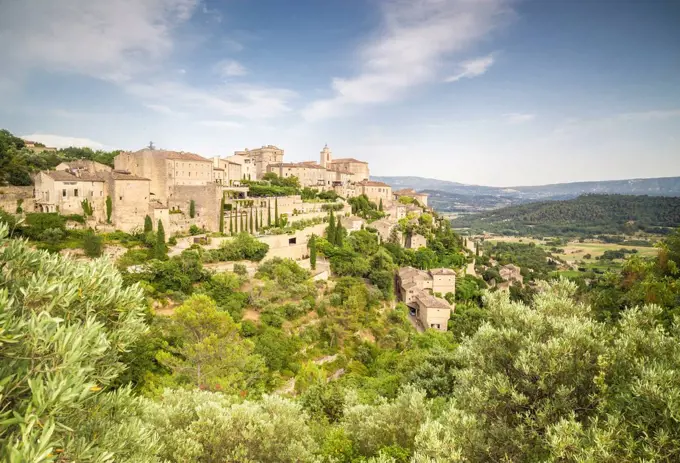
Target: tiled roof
405,191
299,165
120,175
63,176
442,271
179,155
348,160
373,183
431,301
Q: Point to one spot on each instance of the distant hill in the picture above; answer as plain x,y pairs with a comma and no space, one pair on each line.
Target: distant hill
587,214
667,186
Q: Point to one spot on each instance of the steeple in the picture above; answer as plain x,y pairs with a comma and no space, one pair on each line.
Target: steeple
326,157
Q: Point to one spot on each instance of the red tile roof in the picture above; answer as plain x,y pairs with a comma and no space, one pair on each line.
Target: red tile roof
372,183
348,160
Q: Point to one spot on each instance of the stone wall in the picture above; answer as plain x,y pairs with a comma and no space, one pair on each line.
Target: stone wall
11,195
207,199
130,201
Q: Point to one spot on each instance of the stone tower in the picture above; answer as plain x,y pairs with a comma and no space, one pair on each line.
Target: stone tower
326,157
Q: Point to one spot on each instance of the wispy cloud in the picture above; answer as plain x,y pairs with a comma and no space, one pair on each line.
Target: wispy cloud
574,125
101,38
416,36
229,100
231,68
518,118
59,141
163,109
472,68
222,124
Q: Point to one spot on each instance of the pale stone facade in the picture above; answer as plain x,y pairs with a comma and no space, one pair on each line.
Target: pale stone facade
416,241
255,161
352,223
411,193
376,192
419,289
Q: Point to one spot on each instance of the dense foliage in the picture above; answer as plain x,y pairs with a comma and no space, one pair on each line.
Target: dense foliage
585,215
17,162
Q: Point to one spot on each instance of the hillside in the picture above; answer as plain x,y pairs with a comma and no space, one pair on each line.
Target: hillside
667,186
587,214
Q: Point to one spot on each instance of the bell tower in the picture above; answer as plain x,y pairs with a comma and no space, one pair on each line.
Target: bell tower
326,157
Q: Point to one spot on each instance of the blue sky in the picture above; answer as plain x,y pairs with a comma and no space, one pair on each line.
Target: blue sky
494,92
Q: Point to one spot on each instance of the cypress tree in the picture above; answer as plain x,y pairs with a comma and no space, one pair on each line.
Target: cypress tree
276,212
252,227
159,248
242,227
109,209
269,213
312,252
330,230
192,208
236,216
380,206
222,215
231,223
338,233
261,222
148,224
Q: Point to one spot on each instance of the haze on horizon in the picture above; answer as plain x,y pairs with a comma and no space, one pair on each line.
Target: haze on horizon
486,92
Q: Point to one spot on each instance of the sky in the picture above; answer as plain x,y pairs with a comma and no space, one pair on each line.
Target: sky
490,92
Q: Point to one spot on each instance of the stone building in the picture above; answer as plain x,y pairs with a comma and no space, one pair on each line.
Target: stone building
411,193
375,191
257,160
416,241
64,191
352,223
422,290
433,312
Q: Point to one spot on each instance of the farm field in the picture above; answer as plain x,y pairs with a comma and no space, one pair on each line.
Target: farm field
575,252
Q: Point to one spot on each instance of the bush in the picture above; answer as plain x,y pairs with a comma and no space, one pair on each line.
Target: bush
194,230
38,222
92,244
242,247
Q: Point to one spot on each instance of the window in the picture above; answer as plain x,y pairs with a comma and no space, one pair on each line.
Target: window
91,194
75,192
63,192
120,198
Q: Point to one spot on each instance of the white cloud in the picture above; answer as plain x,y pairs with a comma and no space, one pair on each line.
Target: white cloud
59,141
231,68
222,124
163,109
101,38
518,118
232,100
472,68
415,37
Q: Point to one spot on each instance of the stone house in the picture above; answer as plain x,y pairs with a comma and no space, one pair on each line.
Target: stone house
511,273
376,191
64,191
418,289
257,160
352,223
435,281
411,193
433,312
384,228
416,241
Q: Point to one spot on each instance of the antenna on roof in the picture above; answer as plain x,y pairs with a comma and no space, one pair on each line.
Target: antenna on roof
151,147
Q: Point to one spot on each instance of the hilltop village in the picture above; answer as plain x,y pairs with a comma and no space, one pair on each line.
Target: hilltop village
255,191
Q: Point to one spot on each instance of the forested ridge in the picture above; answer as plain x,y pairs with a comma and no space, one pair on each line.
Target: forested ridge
587,214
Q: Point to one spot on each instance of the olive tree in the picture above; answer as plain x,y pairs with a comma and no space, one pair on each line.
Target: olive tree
63,327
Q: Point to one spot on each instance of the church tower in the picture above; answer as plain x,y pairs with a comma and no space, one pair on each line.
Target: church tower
326,157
